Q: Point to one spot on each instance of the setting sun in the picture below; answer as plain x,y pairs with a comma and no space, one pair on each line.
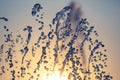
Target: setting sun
55,76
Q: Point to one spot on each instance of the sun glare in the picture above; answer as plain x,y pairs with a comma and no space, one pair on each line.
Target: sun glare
56,76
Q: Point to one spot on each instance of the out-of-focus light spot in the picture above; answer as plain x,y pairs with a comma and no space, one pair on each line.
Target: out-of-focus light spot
56,76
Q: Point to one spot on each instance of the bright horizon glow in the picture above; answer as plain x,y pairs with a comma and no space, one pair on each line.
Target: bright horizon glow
55,76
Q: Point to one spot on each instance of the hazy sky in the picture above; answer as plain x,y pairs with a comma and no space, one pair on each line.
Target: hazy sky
103,14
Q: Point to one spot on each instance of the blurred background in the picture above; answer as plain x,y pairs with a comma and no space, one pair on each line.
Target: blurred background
103,14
